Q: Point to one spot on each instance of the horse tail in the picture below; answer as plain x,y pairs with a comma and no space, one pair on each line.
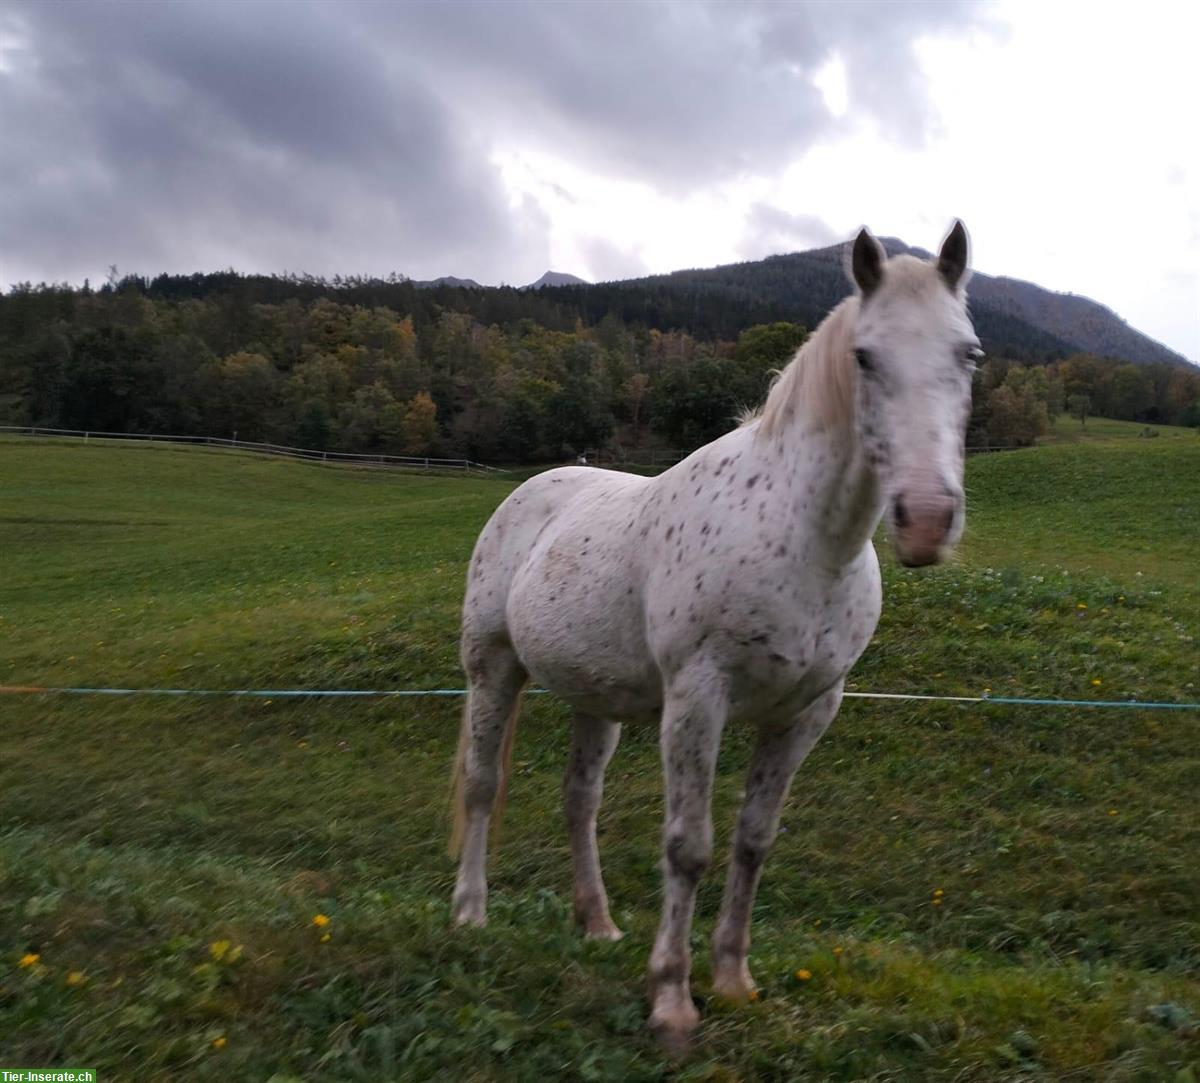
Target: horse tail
459,778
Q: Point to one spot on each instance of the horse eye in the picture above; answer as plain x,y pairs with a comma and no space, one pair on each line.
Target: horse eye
864,359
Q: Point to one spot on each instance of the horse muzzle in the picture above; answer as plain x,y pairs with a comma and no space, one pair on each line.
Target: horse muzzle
925,526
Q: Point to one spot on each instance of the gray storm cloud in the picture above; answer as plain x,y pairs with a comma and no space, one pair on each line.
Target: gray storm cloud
357,137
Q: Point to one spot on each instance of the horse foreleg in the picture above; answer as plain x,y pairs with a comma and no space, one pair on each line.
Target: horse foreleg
691,734
776,757
592,745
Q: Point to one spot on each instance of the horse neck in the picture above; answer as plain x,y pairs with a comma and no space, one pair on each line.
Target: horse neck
834,490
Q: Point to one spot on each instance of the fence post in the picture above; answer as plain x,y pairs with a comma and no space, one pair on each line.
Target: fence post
426,464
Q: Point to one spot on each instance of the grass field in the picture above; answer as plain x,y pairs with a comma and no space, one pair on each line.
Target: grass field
164,860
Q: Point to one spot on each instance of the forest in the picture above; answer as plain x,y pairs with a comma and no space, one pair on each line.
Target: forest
498,375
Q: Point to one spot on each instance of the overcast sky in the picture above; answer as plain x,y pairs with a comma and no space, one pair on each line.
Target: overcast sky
495,140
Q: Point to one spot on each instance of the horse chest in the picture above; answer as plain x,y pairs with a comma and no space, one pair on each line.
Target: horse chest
782,634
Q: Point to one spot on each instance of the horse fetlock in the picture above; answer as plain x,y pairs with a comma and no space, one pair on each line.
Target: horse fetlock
592,916
730,940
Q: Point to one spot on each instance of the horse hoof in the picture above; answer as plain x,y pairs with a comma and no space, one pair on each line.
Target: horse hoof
602,930
470,912
733,984
734,990
674,1026
675,1041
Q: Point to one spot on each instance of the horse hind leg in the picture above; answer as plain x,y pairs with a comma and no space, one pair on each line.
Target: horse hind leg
593,743
776,757
496,679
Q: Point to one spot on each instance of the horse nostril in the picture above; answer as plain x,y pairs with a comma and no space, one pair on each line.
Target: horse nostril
899,514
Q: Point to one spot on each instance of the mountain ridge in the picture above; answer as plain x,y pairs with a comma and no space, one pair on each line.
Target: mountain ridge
556,278
1011,315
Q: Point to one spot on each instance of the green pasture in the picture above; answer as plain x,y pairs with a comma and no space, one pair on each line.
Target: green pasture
958,892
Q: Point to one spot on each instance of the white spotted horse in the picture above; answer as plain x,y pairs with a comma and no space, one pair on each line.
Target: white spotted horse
739,586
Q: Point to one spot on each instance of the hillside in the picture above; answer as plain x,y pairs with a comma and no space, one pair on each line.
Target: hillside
1079,323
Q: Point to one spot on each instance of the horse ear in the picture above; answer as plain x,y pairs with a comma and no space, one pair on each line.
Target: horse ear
952,260
866,262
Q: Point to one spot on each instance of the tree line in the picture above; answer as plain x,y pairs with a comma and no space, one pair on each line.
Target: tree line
496,375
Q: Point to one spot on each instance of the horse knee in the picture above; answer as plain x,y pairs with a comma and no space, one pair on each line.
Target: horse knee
750,853
688,855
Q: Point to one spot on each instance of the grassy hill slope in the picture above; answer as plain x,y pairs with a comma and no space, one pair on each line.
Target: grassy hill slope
143,842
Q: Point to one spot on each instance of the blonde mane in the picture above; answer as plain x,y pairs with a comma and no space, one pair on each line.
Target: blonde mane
819,380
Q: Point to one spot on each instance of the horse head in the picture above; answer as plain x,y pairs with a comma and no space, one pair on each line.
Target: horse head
915,351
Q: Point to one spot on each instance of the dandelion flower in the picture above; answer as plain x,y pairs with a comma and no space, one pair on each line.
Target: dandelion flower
937,902
1096,682
76,977
219,1043
218,948
838,950
938,893
29,960
804,975
1081,605
326,938
320,920
1112,811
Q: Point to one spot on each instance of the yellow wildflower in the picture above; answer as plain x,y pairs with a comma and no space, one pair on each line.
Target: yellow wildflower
937,902
76,977
938,893
1112,811
804,975
28,960
1096,682
838,950
1081,605
753,994
219,1043
320,920
326,938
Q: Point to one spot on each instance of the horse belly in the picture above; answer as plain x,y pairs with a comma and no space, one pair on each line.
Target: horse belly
575,618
